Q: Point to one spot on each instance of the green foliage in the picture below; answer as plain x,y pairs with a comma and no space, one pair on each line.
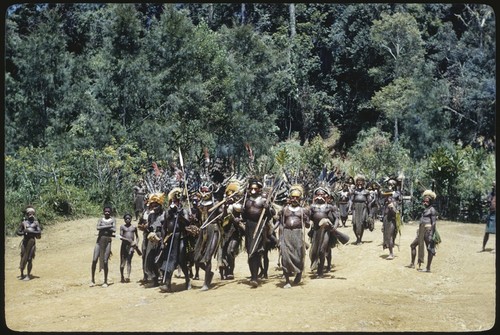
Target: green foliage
396,98
463,177
398,38
316,155
71,184
375,156
96,92
288,156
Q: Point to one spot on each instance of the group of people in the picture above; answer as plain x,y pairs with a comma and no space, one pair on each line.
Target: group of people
184,231
187,232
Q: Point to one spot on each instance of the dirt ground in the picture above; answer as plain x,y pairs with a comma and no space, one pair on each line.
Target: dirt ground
364,292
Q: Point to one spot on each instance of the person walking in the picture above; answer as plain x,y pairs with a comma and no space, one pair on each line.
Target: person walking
292,221
427,235
256,212
360,211
491,218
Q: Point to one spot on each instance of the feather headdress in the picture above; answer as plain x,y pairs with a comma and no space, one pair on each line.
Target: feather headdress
429,193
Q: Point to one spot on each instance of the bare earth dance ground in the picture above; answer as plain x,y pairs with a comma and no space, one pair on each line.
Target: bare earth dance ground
364,292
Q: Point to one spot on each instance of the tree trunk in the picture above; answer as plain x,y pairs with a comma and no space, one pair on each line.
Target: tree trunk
291,9
396,132
242,13
210,12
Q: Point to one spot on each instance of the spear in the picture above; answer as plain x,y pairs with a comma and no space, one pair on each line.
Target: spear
261,223
170,246
184,179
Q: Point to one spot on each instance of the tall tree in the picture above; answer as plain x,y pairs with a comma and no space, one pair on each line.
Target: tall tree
400,41
39,77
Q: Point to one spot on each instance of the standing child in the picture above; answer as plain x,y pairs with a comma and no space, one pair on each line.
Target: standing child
128,235
30,230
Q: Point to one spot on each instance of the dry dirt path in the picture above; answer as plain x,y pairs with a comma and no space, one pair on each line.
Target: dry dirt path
364,292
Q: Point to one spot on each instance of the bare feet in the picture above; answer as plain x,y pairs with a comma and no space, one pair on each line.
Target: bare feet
165,288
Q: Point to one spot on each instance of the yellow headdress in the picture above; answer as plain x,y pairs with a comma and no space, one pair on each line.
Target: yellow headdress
232,187
176,192
429,193
296,190
158,197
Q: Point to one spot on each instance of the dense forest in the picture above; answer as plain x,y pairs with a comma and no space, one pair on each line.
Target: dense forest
95,94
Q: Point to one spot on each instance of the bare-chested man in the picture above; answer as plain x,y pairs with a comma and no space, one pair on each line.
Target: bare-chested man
292,221
106,227
389,228
232,230
156,220
426,238
139,194
360,216
209,235
325,221
174,240
256,212
344,203
143,226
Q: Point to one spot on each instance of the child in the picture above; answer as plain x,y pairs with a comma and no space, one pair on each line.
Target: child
128,235
30,230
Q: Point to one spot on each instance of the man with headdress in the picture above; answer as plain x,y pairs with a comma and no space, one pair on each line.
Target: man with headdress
193,231
344,203
106,227
173,243
292,221
373,206
390,228
30,230
270,240
233,230
209,235
256,212
427,236
392,190
360,199
129,237
156,220
325,221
